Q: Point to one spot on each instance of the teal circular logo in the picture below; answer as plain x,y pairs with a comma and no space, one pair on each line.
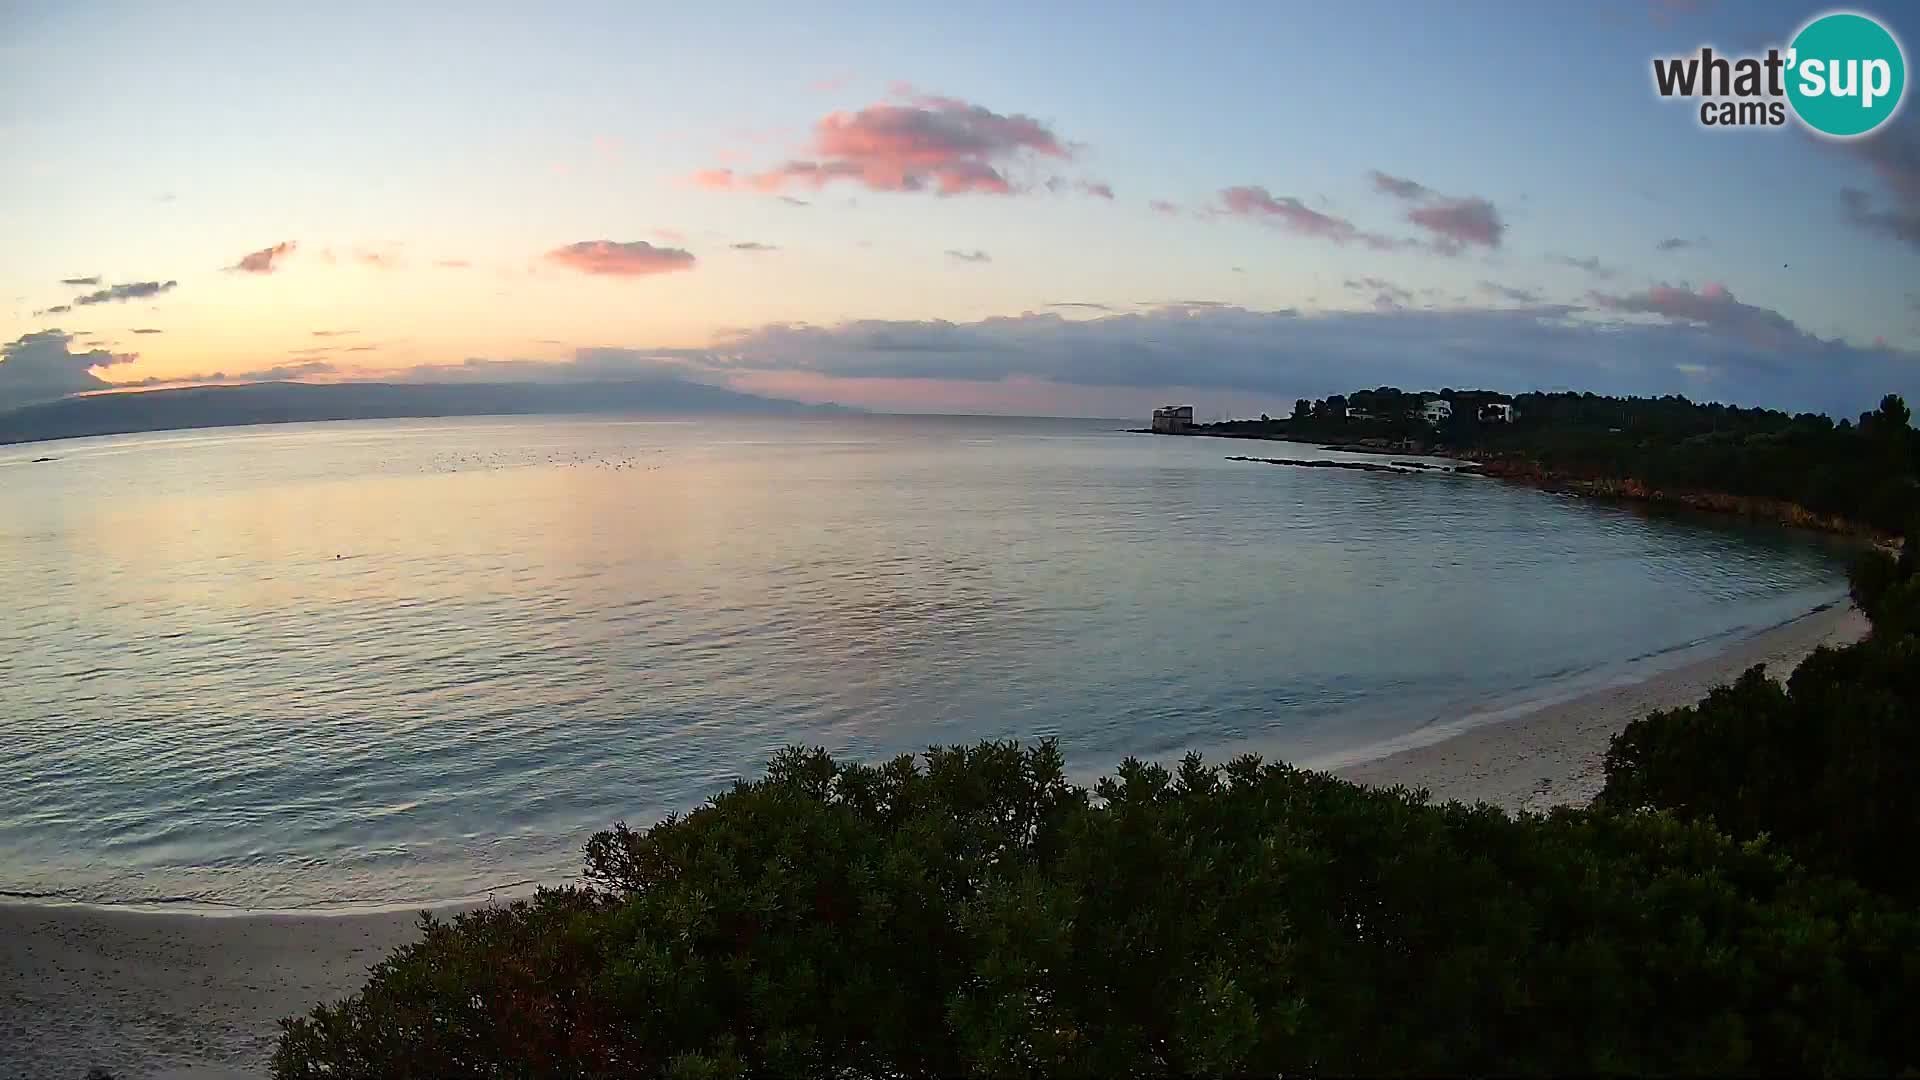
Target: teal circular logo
1845,74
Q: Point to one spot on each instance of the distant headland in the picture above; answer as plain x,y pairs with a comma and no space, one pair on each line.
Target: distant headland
290,403
1807,470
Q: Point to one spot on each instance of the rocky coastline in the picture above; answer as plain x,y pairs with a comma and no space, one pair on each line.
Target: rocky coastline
1521,470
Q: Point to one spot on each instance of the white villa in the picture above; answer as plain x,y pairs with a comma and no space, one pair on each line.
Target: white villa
1497,413
1169,419
1436,411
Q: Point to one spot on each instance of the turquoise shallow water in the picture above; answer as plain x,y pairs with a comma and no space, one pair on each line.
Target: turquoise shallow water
399,661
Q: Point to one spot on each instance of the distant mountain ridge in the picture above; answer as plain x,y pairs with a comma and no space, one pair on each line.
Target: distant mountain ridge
293,403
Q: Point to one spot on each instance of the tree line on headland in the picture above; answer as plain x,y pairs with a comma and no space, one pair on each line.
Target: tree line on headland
1803,469
1743,898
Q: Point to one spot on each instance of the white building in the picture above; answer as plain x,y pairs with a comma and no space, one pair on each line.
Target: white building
1495,412
1171,419
1436,411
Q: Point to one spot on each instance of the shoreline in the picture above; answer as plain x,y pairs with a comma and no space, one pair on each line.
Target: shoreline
171,996
174,995
1551,755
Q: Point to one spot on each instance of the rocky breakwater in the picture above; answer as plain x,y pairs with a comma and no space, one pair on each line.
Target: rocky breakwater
1356,466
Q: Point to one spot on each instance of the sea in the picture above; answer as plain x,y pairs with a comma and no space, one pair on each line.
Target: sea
352,665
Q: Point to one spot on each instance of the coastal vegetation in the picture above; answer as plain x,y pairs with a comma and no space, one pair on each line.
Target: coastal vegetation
1826,767
975,913
1852,475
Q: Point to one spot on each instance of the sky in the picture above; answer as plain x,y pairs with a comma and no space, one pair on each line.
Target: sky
1061,209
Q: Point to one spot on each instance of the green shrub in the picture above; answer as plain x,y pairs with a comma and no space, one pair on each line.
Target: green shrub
1886,589
981,915
1827,766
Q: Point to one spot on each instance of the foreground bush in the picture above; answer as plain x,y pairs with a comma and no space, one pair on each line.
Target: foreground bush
981,915
1827,766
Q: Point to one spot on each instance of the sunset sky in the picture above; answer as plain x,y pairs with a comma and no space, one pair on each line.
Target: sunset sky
1064,209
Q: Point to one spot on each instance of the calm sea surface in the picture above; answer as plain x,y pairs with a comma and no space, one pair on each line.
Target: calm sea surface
397,661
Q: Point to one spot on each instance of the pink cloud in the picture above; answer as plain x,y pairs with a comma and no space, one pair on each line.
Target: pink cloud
376,260
633,258
1162,206
1097,189
937,144
452,264
264,260
1255,202
1456,223
1460,222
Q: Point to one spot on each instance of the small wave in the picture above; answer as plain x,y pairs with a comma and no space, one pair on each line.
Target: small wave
188,902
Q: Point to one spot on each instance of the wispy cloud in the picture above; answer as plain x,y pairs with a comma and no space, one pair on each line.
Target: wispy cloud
1256,203
1386,295
754,245
114,294
91,279
147,330
1162,206
333,333
1589,263
975,256
1398,186
452,264
632,258
264,261
1508,292
1097,189
1673,243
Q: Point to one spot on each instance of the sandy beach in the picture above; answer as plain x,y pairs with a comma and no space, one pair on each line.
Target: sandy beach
170,995
180,995
1553,756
